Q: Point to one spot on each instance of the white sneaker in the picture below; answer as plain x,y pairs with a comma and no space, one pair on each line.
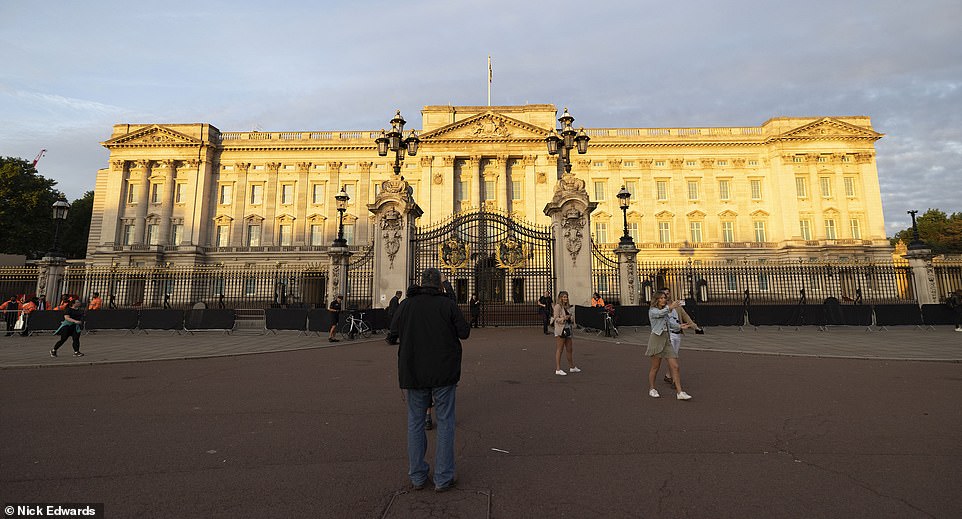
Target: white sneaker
958,329
574,370
683,396
560,372
653,393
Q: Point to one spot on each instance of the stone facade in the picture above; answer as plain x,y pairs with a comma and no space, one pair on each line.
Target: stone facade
189,194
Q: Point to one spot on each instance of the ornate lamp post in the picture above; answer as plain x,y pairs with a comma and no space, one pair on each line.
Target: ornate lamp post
60,208
395,141
916,242
623,196
568,139
342,199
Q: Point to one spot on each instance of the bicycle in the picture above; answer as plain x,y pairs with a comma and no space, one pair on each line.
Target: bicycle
610,330
355,326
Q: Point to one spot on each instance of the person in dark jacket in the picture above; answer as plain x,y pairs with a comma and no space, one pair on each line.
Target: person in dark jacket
429,326
70,327
392,306
475,310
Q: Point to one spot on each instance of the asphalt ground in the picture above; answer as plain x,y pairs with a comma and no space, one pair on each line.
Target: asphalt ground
783,423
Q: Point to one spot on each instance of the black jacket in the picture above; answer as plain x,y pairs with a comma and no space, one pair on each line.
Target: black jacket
429,326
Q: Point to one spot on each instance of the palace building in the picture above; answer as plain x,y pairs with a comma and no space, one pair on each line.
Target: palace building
794,188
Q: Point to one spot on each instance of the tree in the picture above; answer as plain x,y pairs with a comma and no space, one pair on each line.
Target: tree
942,233
74,233
26,198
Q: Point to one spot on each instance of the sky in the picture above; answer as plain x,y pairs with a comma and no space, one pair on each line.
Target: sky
71,70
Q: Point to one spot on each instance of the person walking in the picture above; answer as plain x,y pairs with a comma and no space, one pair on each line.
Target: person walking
545,308
10,309
475,305
428,327
563,321
392,306
678,322
659,345
70,327
335,312
955,303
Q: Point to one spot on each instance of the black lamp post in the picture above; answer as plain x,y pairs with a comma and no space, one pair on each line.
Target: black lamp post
623,197
395,141
569,138
342,199
60,208
916,242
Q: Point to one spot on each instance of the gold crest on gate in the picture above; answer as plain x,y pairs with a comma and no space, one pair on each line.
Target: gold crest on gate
453,254
510,254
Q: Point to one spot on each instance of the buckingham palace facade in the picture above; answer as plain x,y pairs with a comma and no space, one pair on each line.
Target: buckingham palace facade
794,188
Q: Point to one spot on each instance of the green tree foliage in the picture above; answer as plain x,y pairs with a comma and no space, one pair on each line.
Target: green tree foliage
73,234
26,226
942,233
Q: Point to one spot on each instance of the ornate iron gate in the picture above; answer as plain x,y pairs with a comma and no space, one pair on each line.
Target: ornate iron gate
508,264
360,279
605,275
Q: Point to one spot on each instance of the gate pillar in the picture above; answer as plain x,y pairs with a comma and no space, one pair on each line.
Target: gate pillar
570,211
630,288
923,275
49,279
395,218
337,273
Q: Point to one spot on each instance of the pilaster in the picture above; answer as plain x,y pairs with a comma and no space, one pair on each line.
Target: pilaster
143,200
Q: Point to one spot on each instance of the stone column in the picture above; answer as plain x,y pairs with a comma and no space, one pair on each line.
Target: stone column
395,217
302,202
570,211
115,204
474,167
332,189
270,205
923,276
166,167
184,170
240,197
49,278
143,200
447,202
629,286
501,177
362,233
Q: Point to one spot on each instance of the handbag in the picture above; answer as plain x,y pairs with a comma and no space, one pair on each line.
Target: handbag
566,331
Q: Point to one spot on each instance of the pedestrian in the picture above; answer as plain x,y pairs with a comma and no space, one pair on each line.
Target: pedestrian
545,308
70,327
678,322
955,303
475,304
563,321
26,309
659,345
96,302
392,307
597,301
428,326
335,312
10,310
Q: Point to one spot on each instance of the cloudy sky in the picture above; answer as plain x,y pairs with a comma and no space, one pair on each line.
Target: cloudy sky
70,70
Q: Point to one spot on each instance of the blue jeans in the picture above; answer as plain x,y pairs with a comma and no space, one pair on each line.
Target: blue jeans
418,402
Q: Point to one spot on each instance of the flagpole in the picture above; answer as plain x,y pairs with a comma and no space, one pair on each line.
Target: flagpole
489,80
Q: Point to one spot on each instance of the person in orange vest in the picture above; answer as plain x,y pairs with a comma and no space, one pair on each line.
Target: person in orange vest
96,303
596,300
64,303
26,309
9,309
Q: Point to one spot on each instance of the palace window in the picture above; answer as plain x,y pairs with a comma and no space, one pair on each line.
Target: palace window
693,190
349,233
287,194
830,233
850,187
856,228
601,232
222,237
317,234
664,232
629,164
153,234
728,232
731,282
285,234
317,194
516,190
724,190
695,228
131,194
763,281
600,190
632,188
351,190
633,231
257,194
798,158
801,187
128,234
661,187
489,190
225,194
253,235
806,229
760,235
180,192
825,183
250,286
155,193
756,189
176,234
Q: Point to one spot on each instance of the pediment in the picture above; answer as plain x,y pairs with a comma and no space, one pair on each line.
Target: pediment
286,217
665,214
828,128
635,214
223,218
486,127
601,215
153,136
696,214
254,218
316,217
760,214
728,214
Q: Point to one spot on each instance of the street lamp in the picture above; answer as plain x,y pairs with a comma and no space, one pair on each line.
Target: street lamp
568,138
60,208
342,199
395,141
916,242
623,197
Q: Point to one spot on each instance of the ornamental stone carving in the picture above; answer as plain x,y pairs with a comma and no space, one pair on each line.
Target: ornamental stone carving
188,164
707,163
242,167
490,127
541,177
631,278
645,163
572,226
676,163
365,167
303,167
529,160
448,162
273,166
568,186
118,165
438,178
738,163
391,233
426,161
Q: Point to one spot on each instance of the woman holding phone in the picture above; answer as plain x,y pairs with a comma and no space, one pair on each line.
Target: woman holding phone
562,332
659,345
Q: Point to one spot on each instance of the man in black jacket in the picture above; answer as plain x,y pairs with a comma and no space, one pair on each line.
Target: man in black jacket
429,326
392,306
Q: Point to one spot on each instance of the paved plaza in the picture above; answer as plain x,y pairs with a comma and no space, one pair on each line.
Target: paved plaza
784,423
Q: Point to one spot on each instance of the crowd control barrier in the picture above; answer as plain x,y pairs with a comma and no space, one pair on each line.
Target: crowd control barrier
210,319
111,320
286,319
160,319
895,315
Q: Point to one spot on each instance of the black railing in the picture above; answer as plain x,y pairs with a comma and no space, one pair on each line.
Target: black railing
605,275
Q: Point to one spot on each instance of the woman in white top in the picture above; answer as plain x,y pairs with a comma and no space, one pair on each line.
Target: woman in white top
659,345
563,322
